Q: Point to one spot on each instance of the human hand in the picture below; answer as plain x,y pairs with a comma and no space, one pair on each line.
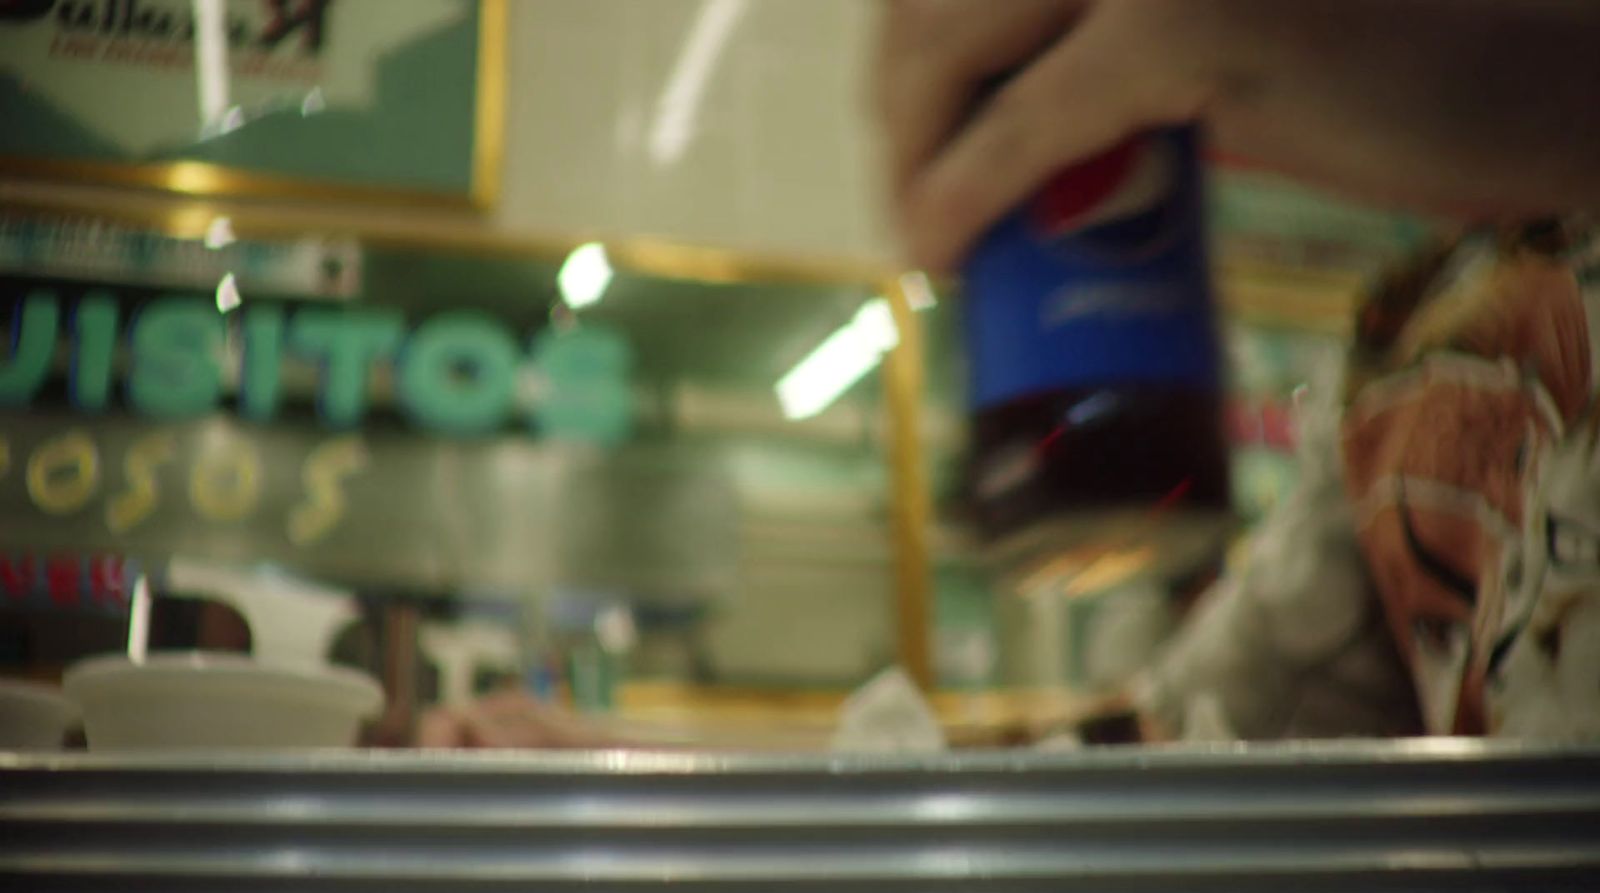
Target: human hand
1070,93
1474,108
508,719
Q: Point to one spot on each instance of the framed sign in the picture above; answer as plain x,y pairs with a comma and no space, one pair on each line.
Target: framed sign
344,101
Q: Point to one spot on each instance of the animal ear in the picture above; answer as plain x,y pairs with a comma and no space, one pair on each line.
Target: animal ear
1403,288
1549,236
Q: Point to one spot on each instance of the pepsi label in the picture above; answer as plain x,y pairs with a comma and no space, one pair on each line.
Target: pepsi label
1101,279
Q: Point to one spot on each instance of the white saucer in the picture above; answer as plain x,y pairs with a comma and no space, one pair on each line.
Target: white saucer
33,716
194,699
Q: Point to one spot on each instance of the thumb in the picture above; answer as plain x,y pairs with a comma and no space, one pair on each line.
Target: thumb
1080,99
440,728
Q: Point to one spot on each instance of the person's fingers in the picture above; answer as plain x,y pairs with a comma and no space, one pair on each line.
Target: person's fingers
508,702
439,729
934,57
481,729
508,719
1080,99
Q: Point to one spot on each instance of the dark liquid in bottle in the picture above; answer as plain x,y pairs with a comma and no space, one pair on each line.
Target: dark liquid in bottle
1078,451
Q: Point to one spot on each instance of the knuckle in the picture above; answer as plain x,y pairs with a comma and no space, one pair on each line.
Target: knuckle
1013,128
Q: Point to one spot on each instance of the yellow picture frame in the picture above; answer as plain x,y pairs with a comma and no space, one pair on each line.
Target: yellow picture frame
207,180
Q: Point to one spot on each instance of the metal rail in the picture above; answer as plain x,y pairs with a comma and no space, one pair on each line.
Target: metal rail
1413,817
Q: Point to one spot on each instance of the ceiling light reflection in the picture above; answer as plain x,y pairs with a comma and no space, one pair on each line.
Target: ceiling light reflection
219,233
228,294
585,276
679,104
918,291
211,63
841,360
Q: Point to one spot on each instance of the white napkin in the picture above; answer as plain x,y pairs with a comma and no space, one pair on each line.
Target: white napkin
888,715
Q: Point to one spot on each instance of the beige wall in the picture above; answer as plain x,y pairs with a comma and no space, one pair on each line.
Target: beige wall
776,155
776,149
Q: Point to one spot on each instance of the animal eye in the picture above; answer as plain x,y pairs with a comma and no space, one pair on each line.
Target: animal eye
1573,545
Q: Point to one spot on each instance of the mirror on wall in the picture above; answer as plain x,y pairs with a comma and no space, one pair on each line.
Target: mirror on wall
563,466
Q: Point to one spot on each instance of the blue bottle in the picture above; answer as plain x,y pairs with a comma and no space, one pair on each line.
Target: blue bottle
1096,372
